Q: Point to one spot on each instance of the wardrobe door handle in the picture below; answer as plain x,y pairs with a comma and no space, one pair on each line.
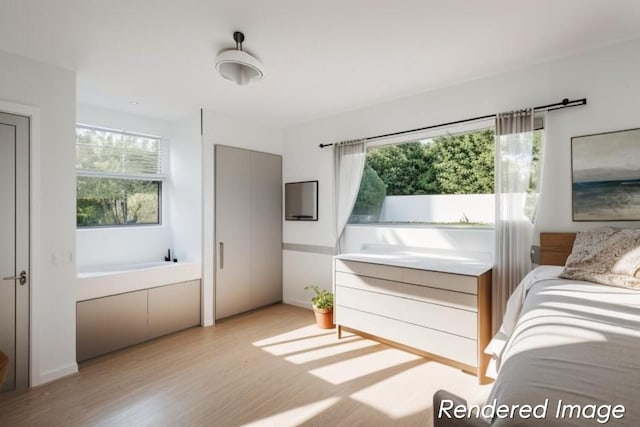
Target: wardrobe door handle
221,255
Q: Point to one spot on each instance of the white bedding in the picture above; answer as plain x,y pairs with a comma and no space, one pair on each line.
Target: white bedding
578,342
512,312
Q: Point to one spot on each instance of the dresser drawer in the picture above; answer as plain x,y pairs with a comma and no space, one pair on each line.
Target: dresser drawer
421,293
434,316
453,347
371,270
448,281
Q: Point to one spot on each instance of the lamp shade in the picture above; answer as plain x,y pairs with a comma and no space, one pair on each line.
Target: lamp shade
239,66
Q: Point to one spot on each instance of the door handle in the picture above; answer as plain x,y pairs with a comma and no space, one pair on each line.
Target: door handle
221,255
22,278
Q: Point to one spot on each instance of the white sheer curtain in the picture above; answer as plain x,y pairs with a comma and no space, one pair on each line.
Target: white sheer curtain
516,204
348,159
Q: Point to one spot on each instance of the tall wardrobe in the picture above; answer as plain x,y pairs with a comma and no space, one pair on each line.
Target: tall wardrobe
248,230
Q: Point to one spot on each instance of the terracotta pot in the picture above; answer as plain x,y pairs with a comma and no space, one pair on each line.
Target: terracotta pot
324,317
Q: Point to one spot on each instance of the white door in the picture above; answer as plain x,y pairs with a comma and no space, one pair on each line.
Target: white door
14,248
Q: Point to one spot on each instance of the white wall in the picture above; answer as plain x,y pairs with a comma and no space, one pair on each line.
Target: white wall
185,187
607,77
219,129
53,275
118,120
124,245
610,81
449,208
110,246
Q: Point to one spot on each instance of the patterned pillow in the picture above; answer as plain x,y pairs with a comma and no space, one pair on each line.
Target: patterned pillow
609,256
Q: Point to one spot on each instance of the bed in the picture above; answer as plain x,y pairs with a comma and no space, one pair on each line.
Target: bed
573,353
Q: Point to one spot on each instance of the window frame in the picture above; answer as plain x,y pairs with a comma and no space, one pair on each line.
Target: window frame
472,126
452,130
159,178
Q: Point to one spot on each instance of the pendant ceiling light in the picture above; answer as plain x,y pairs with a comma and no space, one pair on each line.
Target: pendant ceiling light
237,65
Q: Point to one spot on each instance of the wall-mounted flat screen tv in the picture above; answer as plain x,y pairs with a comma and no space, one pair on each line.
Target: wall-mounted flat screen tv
301,201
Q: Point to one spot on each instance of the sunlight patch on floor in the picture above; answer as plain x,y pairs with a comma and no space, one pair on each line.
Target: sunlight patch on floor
347,370
295,416
141,411
301,344
343,346
395,384
398,397
300,334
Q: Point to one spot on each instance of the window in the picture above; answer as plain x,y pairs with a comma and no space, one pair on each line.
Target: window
120,178
442,180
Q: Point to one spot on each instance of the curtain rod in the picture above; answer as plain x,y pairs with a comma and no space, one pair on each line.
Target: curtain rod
565,103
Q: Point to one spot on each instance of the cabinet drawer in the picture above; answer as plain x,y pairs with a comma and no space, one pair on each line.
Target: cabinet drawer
370,270
453,347
442,318
110,323
422,293
173,308
448,281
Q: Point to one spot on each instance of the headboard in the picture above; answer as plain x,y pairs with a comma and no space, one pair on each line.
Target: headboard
555,247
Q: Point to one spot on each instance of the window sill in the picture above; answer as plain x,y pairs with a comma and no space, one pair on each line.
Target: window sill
120,227
425,225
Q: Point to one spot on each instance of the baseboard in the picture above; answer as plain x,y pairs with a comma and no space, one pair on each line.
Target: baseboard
303,304
55,374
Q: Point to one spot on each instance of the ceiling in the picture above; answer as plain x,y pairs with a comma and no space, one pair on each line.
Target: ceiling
321,57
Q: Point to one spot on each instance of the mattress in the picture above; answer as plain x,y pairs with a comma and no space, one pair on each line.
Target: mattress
574,343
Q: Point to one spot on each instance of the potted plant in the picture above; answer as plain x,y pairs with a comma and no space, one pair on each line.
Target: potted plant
322,303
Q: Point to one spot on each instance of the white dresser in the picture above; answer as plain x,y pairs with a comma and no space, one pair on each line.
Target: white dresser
435,307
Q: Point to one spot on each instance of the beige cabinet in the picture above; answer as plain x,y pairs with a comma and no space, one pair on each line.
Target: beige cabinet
109,323
173,308
443,316
118,321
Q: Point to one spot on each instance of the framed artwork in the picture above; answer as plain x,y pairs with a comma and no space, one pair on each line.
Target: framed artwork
605,173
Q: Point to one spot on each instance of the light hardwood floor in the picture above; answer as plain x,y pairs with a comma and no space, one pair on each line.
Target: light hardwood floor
271,367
